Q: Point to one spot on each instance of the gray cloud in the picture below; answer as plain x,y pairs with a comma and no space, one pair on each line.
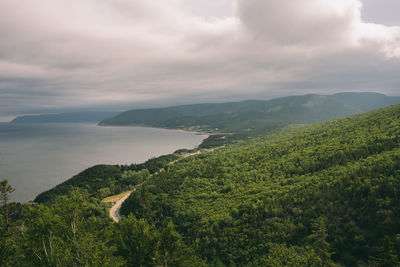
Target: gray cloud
97,53
381,11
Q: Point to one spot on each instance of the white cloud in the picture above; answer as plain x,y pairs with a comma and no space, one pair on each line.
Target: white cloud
385,39
308,23
87,52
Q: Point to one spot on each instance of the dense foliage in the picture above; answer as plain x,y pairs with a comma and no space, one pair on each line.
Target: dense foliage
320,195
92,179
153,165
104,180
323,194
74,231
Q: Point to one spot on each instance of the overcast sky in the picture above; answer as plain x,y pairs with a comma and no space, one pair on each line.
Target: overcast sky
57,55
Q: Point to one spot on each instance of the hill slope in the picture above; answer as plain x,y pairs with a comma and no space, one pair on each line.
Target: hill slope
65,117
312,196
255,115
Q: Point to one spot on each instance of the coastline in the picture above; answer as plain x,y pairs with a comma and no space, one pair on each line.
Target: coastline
201,133
58,170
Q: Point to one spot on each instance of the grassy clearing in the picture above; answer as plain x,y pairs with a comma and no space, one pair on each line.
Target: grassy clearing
115,198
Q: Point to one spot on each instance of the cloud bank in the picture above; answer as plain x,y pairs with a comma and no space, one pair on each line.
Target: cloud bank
76,53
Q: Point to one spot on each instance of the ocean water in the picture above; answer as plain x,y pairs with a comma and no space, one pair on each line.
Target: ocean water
36,157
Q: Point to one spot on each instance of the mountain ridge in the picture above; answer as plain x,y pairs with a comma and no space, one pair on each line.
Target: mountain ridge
254,114
68,117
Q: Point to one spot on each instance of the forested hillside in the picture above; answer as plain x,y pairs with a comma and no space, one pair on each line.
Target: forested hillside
72,117
250,116
317,195
104,180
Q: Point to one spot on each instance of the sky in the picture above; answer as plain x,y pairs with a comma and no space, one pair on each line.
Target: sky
63,55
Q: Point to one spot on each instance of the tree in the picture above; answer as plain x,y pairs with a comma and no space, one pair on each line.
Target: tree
5,191
68,234
169,242
280,255
137,241
387,255
319,242
173,251
3,248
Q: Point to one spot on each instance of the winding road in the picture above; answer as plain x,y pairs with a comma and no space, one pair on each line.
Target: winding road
114,211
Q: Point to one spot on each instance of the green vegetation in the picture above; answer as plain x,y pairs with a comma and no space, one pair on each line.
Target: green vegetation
95,180
106,180
154,165
74,231
141,244
115,198
252,116
320,195
5,191
230,122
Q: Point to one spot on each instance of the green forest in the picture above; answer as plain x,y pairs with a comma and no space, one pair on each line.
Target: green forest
304,195
255,116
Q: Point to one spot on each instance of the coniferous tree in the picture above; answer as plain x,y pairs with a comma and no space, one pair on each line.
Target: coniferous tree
5,191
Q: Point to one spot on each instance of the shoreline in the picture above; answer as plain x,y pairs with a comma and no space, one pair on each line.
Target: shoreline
202,133
181,145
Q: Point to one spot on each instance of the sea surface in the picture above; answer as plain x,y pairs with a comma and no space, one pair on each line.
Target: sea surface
36,157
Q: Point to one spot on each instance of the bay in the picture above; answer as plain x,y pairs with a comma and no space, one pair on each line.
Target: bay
37,157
